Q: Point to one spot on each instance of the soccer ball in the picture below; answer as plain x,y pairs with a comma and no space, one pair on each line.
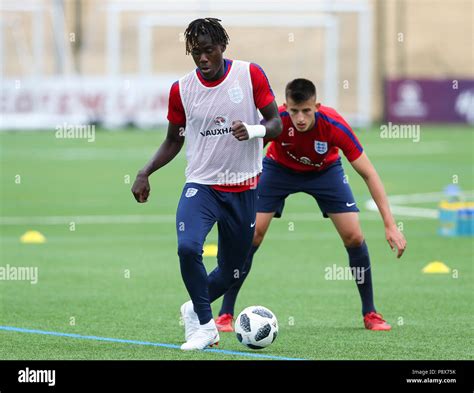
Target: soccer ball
256,327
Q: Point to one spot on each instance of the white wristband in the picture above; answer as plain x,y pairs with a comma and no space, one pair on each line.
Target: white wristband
255,131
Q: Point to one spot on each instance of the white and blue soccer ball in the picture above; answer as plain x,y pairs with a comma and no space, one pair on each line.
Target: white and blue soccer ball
256,327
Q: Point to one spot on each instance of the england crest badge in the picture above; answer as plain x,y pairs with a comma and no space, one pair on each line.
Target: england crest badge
320,147
190,192
236,94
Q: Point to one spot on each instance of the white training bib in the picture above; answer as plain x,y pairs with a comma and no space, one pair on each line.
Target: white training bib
214,155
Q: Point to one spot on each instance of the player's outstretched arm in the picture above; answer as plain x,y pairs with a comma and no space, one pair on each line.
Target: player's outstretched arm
394,237
167,151
270,130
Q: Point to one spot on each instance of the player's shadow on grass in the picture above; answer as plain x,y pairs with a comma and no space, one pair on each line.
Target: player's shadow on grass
341,329
350,328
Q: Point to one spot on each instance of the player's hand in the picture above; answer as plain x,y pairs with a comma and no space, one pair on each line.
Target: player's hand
239,131
141,188
396,240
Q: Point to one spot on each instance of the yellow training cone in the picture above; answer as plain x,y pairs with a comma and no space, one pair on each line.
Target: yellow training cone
210,250
436,267
32,237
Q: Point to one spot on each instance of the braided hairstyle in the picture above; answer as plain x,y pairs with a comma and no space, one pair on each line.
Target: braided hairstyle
209,26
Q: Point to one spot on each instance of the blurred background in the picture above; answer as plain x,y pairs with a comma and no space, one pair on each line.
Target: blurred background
112,62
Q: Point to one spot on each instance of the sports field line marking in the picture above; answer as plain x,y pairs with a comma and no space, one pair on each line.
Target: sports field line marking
396,202
108,219
136,342
131,219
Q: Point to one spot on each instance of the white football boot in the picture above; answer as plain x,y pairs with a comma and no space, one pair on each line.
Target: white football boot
206,336
190,319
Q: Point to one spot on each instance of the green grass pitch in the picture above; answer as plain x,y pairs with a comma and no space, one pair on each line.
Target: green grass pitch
117,274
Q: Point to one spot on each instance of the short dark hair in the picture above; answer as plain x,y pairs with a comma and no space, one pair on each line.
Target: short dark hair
300,90
209,26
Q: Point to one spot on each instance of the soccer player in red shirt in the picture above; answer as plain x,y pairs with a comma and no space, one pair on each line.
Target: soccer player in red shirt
305,158
214,108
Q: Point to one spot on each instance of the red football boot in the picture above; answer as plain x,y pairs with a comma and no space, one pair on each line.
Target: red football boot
224,323
374,321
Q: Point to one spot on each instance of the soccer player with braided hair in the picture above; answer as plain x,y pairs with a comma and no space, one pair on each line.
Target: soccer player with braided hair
214,108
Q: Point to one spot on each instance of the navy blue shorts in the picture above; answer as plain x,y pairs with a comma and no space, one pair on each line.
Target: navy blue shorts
200,207
329,187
